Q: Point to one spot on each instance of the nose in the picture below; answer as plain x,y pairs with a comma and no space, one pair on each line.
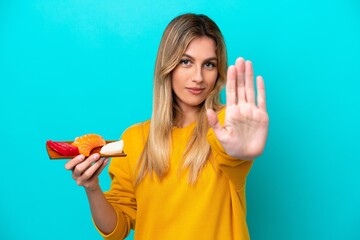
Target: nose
198,74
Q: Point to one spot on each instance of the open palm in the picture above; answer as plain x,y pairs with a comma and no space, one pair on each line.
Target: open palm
245,129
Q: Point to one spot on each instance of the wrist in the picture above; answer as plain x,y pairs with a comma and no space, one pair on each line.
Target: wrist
93,188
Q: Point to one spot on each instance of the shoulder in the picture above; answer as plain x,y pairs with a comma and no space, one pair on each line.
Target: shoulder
134,138
136,130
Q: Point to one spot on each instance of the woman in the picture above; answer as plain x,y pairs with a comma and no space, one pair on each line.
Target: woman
185,171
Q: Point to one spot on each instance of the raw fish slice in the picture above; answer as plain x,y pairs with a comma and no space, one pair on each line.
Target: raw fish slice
113,148
64,149
88,142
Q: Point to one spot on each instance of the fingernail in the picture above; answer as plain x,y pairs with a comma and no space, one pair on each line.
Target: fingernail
96,156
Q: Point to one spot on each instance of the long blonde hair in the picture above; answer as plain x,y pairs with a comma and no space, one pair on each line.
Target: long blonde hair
175,40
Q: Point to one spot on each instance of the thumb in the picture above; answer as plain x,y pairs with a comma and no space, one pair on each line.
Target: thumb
214,123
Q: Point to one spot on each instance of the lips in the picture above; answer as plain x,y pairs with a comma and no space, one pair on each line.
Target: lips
195,90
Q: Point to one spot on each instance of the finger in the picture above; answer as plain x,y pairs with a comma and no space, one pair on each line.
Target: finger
75,161
249,83
93,182
94,178
214,123
261,98
99,170
82,167
231,86
93,171
240,81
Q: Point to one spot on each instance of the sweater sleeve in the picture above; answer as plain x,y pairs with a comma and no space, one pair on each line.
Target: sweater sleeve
121,194
235,169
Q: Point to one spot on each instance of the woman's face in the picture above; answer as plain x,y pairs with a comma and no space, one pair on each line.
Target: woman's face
196,74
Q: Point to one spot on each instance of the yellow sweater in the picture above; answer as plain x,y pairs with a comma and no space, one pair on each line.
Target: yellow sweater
214,208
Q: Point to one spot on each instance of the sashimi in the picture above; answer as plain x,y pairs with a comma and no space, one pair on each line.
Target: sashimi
88,142
63,148
113,148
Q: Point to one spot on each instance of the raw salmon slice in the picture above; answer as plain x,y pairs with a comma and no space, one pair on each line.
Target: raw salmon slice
88,142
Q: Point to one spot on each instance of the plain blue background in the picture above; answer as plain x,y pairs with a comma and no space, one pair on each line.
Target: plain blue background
72,67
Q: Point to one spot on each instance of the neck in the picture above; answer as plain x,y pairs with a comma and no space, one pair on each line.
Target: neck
187,117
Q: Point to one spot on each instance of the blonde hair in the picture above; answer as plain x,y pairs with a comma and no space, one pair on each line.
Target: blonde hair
175,40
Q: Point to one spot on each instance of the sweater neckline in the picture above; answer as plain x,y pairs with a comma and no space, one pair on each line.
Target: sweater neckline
189,126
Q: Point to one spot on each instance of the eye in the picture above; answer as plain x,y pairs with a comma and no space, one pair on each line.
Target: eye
185,62
210,65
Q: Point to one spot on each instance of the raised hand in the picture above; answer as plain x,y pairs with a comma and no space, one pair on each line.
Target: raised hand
245,129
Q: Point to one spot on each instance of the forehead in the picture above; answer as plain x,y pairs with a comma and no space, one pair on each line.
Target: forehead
201,47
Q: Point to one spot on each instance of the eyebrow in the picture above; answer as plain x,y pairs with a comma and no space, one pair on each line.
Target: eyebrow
207,59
